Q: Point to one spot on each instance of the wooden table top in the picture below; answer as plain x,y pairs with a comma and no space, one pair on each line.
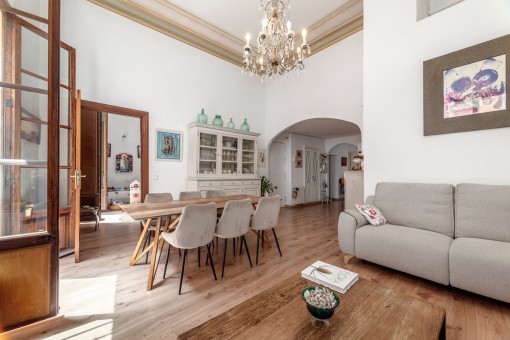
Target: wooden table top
148,210
366,311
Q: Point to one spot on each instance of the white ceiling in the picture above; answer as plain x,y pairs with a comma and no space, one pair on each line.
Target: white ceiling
324,128
239,17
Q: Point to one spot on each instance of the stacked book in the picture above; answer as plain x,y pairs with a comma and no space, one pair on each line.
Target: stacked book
330,276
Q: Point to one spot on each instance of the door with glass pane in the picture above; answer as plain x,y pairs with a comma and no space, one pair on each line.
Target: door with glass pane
207,160
248,165
229,152
29,166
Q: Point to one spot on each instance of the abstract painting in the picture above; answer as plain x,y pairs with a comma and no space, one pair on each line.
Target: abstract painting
168,145
475,88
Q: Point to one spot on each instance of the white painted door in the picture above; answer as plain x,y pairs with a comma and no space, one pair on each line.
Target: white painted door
311,165
277,169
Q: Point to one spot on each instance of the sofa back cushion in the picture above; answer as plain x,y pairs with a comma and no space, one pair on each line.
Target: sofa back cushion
483,211
416,205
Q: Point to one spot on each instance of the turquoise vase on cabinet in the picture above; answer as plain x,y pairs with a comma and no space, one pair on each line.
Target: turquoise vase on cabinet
245,126
217,121
231,124
202,117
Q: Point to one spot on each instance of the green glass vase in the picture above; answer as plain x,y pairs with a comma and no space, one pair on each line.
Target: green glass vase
231,124
245,126
202,118
217,121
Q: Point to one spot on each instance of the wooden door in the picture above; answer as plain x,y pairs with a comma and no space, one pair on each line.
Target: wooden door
76,208
29,160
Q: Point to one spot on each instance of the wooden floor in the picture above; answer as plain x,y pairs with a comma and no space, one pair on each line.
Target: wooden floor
103,297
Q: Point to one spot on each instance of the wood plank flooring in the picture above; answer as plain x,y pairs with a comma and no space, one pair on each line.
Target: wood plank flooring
104,297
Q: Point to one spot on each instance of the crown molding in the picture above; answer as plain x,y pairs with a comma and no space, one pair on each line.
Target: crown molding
179,24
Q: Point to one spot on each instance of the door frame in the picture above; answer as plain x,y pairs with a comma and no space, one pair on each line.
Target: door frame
144,134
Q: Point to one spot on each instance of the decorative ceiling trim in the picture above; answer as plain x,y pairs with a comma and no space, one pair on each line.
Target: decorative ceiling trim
179,24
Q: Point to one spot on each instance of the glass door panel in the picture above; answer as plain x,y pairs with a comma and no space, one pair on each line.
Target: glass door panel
207,155
229,155
248,159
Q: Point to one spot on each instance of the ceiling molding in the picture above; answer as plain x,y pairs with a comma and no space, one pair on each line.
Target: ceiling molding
179,24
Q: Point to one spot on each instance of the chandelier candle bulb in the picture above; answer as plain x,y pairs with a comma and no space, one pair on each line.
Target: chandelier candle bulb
303,33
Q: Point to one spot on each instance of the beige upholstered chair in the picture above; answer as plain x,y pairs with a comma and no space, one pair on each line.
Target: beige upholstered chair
266,217
155,198
189,195
234,222
214,193
195,229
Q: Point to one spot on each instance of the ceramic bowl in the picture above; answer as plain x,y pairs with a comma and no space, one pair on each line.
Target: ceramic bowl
319,313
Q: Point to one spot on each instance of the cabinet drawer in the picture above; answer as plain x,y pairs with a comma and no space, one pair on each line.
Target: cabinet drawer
232,183
255,182
209,183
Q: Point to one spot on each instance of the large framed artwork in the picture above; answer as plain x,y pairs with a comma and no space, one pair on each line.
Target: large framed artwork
168,145
467,90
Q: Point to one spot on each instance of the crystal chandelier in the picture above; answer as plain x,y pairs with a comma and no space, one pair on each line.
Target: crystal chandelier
275,53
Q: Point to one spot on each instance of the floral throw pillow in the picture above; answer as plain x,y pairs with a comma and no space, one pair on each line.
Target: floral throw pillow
372,214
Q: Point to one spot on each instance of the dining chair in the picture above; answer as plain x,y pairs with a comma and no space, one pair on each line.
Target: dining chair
235,222
189,195
214,193
155,198
195,229
266,217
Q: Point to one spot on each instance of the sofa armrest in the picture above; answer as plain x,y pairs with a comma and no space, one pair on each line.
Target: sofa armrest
348,222
370,200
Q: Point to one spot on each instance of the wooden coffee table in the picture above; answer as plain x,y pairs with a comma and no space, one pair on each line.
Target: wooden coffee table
366,311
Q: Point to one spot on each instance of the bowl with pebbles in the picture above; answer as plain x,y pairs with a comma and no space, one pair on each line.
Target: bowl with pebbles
321,302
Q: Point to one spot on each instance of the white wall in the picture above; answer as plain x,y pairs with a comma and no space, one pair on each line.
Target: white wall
331,143
329,87
395,46
118,126
120,62
336,170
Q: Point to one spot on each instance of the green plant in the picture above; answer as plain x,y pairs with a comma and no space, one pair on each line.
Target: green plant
266,186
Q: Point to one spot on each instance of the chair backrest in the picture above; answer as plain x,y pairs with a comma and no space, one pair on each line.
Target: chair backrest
189,195
197,225
235,219
158,198
266,214
214,193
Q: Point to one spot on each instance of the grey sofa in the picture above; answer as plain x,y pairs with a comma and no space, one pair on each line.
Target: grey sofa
457,236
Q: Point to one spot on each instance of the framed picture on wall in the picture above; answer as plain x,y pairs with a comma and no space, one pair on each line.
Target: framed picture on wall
344,161
108,150
124,162
467,90
138,151
261,158
168,145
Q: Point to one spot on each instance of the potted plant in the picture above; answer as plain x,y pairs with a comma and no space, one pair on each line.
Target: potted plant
266,187
295,192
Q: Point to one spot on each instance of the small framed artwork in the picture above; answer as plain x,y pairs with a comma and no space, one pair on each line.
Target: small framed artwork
299,153
139,151
299,163
124,162
344,161
168,145
108,150
261,158
467,90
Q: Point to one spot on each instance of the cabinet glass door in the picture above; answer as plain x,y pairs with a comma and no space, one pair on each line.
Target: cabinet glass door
229,155
207,155
248,159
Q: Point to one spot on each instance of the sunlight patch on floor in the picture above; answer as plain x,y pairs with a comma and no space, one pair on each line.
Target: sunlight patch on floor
99,329
90,296
115,217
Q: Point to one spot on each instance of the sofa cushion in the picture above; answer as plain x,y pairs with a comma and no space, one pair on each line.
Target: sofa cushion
483,211
414,251
416,205
481,266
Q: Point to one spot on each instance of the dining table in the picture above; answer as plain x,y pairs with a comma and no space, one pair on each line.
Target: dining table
163,211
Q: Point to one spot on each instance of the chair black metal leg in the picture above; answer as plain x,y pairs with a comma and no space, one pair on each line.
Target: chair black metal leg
241,246
258,238
224,256
179,252
207,257
199,257
262,239
167,258
278,245
212,264
234,248
182,270
243,240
